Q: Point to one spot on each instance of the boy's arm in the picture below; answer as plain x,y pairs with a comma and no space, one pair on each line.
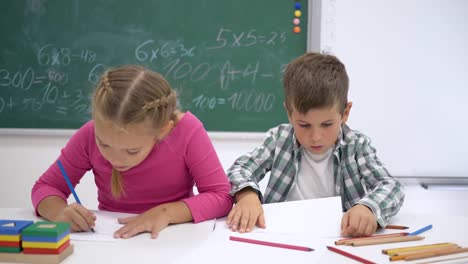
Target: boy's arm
251,167
385,194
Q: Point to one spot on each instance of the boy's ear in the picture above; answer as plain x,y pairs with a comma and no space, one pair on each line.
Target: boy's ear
346,112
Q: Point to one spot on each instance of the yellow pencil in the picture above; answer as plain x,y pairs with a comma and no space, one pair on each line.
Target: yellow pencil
385,240
437,253
402,256
393,251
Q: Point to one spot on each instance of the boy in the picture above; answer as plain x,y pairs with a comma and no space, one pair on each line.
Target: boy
315,156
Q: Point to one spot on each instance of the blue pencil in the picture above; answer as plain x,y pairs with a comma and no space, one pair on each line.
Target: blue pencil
70,186
419,231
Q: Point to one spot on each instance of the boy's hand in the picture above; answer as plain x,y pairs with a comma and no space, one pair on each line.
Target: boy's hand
80,218
152,221
358,221
247,212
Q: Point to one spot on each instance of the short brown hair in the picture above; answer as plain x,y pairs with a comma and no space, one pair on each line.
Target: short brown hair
132,94
315,80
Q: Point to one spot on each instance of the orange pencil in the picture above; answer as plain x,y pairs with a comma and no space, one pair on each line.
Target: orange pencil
437,253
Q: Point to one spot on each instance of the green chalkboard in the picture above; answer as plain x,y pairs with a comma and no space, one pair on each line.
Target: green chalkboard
225,58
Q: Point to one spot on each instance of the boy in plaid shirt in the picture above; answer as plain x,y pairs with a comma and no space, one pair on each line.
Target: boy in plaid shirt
316,155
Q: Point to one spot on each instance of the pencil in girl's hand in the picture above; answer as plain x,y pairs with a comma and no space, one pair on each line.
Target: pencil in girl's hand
396,227
349,255
70,185
271,244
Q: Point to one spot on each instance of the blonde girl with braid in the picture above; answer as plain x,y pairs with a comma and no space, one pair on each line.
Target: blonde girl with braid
145,154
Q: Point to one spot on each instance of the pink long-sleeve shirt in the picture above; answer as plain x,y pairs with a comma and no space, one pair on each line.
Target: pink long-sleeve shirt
183,158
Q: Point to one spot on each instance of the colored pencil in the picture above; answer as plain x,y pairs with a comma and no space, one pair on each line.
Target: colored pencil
349,255
402,256
271,244
396,227
419,231
345,241
393,251
444,260
437,253
385,240
70,185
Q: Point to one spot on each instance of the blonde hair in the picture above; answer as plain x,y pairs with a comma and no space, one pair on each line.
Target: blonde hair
315,80
132,94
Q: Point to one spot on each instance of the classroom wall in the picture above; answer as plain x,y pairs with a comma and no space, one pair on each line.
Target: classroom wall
407,61
23,158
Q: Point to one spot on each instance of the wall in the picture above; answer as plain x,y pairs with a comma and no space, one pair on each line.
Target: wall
408,65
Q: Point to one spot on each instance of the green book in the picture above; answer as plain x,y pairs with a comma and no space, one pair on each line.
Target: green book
46,229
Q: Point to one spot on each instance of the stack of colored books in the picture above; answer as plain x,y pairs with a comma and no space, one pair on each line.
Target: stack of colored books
10,235
46,238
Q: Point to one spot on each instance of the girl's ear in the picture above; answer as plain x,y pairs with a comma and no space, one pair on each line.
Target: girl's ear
346,112
165,130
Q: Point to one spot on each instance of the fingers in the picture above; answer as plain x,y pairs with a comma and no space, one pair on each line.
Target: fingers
233,220
126,220
80,218
352,227
261,221
344,224
129,230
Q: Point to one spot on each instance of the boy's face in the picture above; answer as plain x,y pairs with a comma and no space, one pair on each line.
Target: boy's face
317,130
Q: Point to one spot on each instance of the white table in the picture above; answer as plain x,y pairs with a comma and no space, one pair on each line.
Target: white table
198,243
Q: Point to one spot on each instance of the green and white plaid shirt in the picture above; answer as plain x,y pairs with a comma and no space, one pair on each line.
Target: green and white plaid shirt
359,175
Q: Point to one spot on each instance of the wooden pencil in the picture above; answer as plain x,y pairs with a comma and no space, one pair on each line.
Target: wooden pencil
396,227
385,240
444,260
392,251
349,255
437,253
346,240
402,256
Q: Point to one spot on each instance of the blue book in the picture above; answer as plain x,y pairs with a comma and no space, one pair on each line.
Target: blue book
13,227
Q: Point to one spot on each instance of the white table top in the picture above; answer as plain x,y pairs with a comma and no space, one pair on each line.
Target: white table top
199,243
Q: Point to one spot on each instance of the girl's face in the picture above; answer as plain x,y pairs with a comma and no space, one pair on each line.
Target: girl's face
124,149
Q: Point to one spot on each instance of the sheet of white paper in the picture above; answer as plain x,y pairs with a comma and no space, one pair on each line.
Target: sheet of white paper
315,218
106,225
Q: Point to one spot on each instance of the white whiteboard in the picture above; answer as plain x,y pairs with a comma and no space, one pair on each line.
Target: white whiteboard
408,66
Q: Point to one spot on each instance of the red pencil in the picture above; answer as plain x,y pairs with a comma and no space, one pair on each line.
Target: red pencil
396,227
271,244
349,255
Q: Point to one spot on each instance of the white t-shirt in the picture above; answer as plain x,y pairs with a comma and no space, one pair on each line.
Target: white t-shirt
315,178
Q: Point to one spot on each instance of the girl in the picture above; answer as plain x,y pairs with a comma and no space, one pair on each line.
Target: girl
145,155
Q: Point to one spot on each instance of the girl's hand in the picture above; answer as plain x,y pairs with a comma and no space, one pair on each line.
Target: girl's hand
152,221
80,218
358,221
247,212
